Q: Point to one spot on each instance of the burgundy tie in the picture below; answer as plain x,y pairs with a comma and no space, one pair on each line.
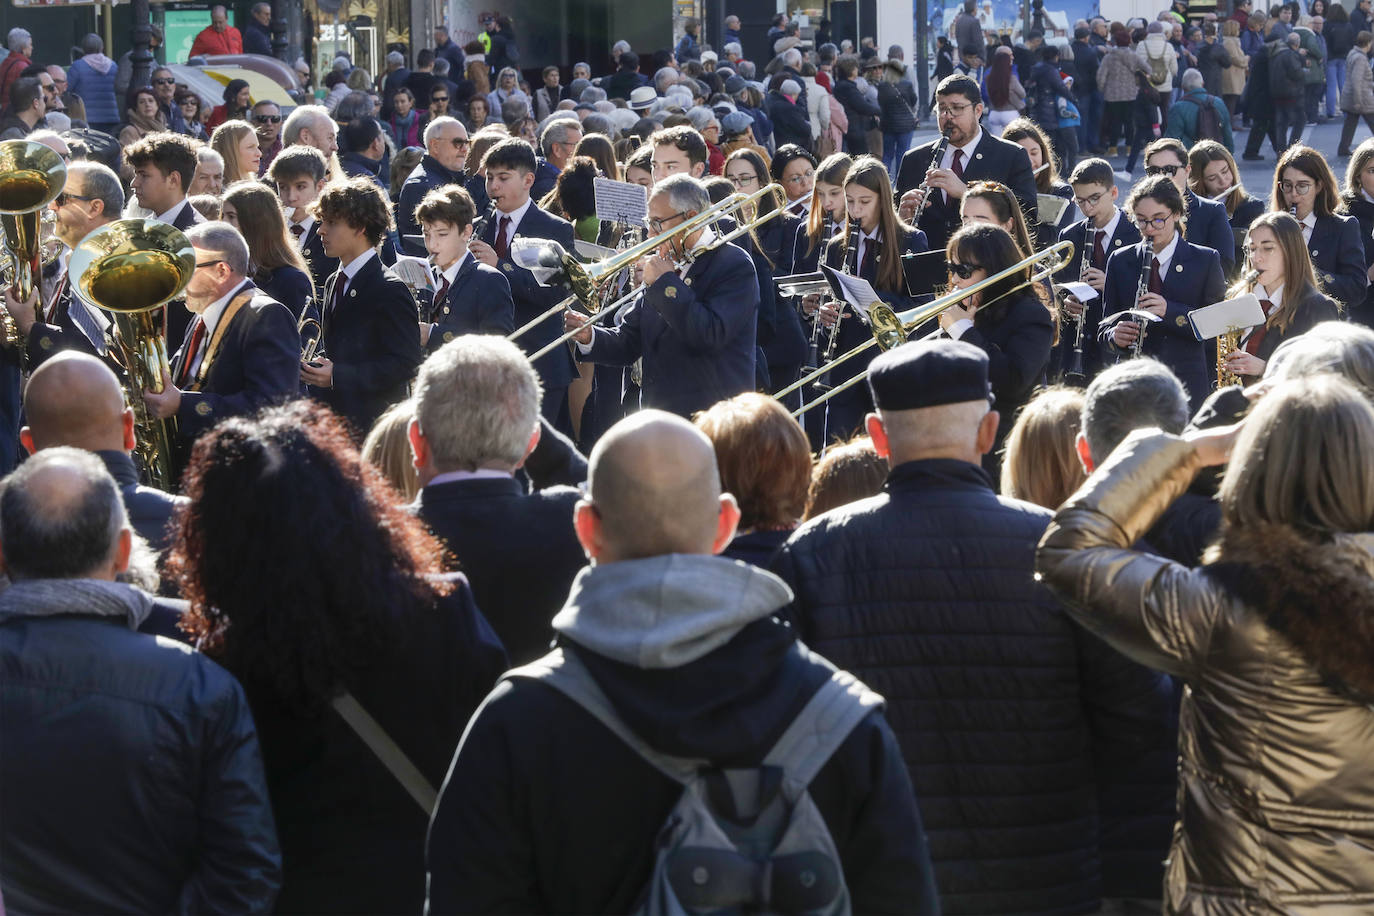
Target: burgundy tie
958,165
340,281
441,296
1156,284
297,230
192,349
502,246
1099,251
57,298
1252,343
866,264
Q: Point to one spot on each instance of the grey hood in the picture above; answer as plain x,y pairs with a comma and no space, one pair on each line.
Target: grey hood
664,612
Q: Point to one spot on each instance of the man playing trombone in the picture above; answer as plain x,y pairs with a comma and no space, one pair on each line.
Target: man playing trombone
693,326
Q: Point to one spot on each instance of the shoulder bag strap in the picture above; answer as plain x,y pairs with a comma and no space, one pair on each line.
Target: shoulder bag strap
387,751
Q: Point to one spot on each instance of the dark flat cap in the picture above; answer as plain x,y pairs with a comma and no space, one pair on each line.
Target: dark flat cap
929,374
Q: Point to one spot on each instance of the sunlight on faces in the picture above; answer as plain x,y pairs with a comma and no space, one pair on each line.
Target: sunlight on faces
832,200
508,188
1217,177
978,210
1169,157
1033,150
669,160
959,119
1095,201
445,243
1265,255
299,192
1147,211
1299,190
798,178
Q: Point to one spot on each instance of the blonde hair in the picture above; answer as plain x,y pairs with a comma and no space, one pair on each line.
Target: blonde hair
1041,464
225,141
1302,460
387,448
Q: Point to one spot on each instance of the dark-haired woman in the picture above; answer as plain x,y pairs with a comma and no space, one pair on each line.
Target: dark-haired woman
1007,320
794,169
1357,200
1179,277
309,582
1305,186
780,334
1212,173
869,245
824,214
238,103
1287,290
1032,139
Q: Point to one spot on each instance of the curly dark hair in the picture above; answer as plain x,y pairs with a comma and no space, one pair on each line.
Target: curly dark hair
360,204
295,554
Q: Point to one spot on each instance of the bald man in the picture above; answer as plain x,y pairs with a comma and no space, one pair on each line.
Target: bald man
546,809
74,399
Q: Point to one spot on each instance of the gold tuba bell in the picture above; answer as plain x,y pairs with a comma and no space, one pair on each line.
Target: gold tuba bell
31,176
132,268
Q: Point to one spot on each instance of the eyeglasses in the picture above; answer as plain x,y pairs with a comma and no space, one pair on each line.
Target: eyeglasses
658,225
1169,170
1088,201
1252,250
953,111
164,81
460,143
1296,187
1159,222
267,119
740,181
963,271
209,263
800,179
439,98
61,199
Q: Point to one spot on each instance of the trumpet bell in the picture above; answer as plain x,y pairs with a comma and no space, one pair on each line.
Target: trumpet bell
132,265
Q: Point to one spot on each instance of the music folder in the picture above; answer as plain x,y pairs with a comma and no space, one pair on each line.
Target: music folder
1049,208
802,284
1231,315
856,291
924,272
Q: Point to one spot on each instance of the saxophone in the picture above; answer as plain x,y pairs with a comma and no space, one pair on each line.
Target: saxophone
1229,341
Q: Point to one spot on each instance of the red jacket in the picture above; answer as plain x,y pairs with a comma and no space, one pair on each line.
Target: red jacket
10,68
211,42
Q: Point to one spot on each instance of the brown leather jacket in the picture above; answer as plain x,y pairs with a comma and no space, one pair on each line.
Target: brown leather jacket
1275,639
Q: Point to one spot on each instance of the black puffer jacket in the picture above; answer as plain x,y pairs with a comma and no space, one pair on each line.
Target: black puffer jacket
1006,711
897,116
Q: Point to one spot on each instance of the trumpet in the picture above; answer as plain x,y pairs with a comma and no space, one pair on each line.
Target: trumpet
891,328
311,347
586,280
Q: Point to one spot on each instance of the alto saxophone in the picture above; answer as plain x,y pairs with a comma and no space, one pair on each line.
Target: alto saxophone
1229,341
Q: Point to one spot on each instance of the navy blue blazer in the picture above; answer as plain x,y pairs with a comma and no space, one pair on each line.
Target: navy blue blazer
1338,256
1363,211
373,337
805,258
994,159
1209,226
321,265
1194,279
1311,311
478,302
695,334
1246,213
256,364
427,176
288,285
555,368
545,179
780,332
1125,234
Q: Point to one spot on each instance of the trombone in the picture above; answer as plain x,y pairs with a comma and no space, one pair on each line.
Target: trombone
592,276
890,328
587,279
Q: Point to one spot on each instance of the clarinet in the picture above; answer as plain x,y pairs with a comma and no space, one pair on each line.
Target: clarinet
936,156
1075,366
1141,288
852,265
814,351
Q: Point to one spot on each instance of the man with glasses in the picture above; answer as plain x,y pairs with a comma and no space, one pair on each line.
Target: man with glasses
557,142
1207,223
693,326
267,124
972,154
165,88
446,151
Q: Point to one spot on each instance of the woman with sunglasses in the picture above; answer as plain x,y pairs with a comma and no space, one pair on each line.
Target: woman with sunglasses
1006,320
189,103
1032,139
1305,187
770,245
1179,277
1357,200
438,102
869,245
1212,173
1287,290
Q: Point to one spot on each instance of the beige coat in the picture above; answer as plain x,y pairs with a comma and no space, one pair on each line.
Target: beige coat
1275,640
1357,95
1233,77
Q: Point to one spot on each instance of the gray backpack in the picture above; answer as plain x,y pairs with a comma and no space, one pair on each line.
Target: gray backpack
748,840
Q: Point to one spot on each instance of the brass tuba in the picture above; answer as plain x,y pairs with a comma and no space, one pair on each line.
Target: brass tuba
31,176
132,268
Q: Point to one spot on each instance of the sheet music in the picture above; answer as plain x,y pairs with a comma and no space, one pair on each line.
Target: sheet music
1080,291
621,201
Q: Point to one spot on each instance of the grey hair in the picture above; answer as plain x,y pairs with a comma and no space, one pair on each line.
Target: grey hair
1133,394
1191,79
684,193
598,123
18,40
477,402
396,58
702,117
438,124
1294,39
207,155
1342,347
620,47
225,241
259,7
92,44
791,58
441,66
306,117
557,132
732,47
592,94
747,70
665,77
100,183
67,540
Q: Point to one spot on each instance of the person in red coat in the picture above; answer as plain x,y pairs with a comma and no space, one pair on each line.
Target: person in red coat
219,38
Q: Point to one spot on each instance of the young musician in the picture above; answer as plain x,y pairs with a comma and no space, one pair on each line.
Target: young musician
1303,181
1007,320
279,270
510,167
1287,290
369,340
1028,135
1357,200
298,173
1105,228
1212,173
472,298
825,213
164,164
1177,277
970,154
1206,221
870,245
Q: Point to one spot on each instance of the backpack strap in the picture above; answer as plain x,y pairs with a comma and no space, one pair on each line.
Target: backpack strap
824,723
565,672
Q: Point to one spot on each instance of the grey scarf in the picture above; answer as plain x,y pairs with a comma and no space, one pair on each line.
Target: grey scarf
54,597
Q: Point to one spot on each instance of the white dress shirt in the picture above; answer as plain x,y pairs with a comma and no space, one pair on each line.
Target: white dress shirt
1309,222
305,225
515,217
170,216
967,149
351,269
1276,297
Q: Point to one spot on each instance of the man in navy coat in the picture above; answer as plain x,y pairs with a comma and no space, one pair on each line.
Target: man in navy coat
446,151
694,331
1207,224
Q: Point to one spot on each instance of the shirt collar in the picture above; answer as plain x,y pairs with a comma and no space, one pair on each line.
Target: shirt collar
1275,296
171,215
1166,257
1365,195
479,474
969,147
305,225
352,267
451,273
215,310
1109,230
515,215
1309,221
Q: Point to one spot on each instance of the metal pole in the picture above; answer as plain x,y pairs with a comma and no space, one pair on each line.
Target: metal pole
279,42
142,58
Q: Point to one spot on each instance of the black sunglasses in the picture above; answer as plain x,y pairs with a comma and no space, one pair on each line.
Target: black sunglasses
1169,170
439,98
164,81
61,199
963,271
267,119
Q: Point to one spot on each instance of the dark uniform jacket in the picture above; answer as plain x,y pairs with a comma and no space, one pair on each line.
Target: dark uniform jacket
1209,226
63,333
1125,234
993,159
1016,334
373,338
1363,211
427,176
478,302
149,510
321,265
1003,707
1338,257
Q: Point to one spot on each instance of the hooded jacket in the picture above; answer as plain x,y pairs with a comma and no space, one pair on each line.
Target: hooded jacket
1156,46
1357,95
545,810
1274,638
92,77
